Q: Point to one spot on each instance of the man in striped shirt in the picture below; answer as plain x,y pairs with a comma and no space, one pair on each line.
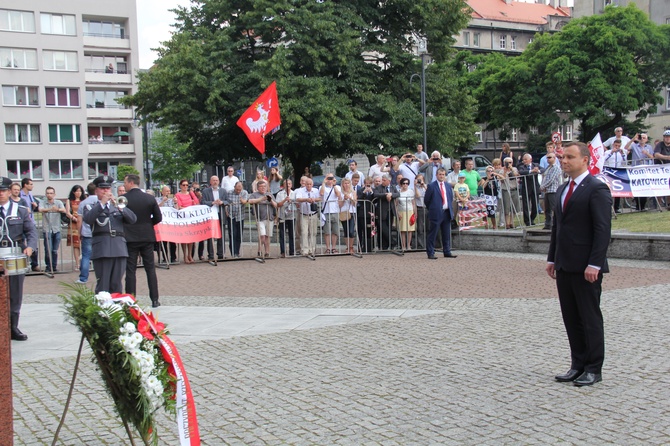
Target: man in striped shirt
551,179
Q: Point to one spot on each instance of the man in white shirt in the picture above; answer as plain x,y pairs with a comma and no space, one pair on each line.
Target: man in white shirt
353,168
615,157
228,182
330,194
618,134
51,225
409,168
308,197
378,169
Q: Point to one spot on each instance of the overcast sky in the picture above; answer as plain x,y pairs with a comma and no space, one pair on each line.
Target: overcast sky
154,19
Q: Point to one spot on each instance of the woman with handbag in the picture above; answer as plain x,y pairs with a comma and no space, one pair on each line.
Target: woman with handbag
347,214
183,199
406,208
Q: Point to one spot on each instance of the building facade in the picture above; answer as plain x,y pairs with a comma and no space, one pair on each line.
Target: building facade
62,67
508,27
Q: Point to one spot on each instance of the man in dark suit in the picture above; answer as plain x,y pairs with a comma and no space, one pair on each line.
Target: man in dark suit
439,202
214,196
385,196
580,236
530,188
108,250
18,235
141,237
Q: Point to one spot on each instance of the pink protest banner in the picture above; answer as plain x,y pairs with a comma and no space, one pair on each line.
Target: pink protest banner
188,225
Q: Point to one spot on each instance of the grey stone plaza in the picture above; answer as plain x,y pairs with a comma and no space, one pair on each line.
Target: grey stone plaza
383,350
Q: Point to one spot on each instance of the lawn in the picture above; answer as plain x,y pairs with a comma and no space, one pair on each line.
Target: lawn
649,221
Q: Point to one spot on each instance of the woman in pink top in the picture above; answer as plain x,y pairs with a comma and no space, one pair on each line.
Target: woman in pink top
183,199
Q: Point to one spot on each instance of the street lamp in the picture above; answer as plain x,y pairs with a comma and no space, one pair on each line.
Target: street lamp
137,122
422,49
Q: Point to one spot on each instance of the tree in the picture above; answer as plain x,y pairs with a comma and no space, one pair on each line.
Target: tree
173,160
125,169
342,71
598,70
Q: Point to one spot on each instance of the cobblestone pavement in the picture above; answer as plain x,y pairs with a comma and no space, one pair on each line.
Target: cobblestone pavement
480,372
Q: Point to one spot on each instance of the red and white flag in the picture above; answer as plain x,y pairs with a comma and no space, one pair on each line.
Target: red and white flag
261,118
597,151
188,225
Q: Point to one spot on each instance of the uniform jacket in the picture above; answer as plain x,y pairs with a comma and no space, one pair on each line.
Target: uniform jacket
105,222
20,226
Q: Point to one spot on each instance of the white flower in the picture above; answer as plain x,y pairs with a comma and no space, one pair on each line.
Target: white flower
103,296
128,327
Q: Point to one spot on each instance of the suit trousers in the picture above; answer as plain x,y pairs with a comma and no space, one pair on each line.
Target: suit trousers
15,293
146,250
549,204
443,228
583,320
108,274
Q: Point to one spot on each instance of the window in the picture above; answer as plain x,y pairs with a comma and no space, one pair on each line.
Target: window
530,40
478,135
503,42
466,38
105,135
22,133
65,170
60,60
667,97
101,64
104,99
512,42
96,28
97,168
19,95
515,135
18,169
475,39
58,24
566,132
19,58
64,133
533,130
19,21
62,97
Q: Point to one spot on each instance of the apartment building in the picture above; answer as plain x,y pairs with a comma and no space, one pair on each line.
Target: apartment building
62,67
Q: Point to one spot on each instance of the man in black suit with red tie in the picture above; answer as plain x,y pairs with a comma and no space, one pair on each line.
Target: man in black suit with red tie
141,237
577,260
439,201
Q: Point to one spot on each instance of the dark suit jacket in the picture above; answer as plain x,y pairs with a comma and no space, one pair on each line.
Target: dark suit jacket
529,181
148,214
581,232
433,202
383,205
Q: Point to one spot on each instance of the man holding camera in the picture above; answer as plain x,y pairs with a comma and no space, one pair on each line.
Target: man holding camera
429,169
409,168
308,197
330,193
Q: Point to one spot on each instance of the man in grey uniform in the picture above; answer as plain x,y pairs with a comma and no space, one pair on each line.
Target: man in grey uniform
15,226
109,250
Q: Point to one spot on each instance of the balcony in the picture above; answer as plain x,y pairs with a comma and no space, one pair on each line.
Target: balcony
106,41
94,76
104,111
111,147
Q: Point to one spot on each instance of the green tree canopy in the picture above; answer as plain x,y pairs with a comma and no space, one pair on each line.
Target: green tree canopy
342,70
173,160
597,70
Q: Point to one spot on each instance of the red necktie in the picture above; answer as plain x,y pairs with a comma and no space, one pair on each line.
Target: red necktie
569,194
444,196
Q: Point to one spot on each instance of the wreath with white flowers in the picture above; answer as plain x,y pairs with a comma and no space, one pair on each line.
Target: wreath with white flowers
127,347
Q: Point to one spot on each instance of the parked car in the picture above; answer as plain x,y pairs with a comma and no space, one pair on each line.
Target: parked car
318,179
481,163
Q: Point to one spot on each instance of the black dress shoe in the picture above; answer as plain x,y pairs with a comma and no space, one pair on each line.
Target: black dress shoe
450,256
588,379
155,304
570,375
18,336
432,258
